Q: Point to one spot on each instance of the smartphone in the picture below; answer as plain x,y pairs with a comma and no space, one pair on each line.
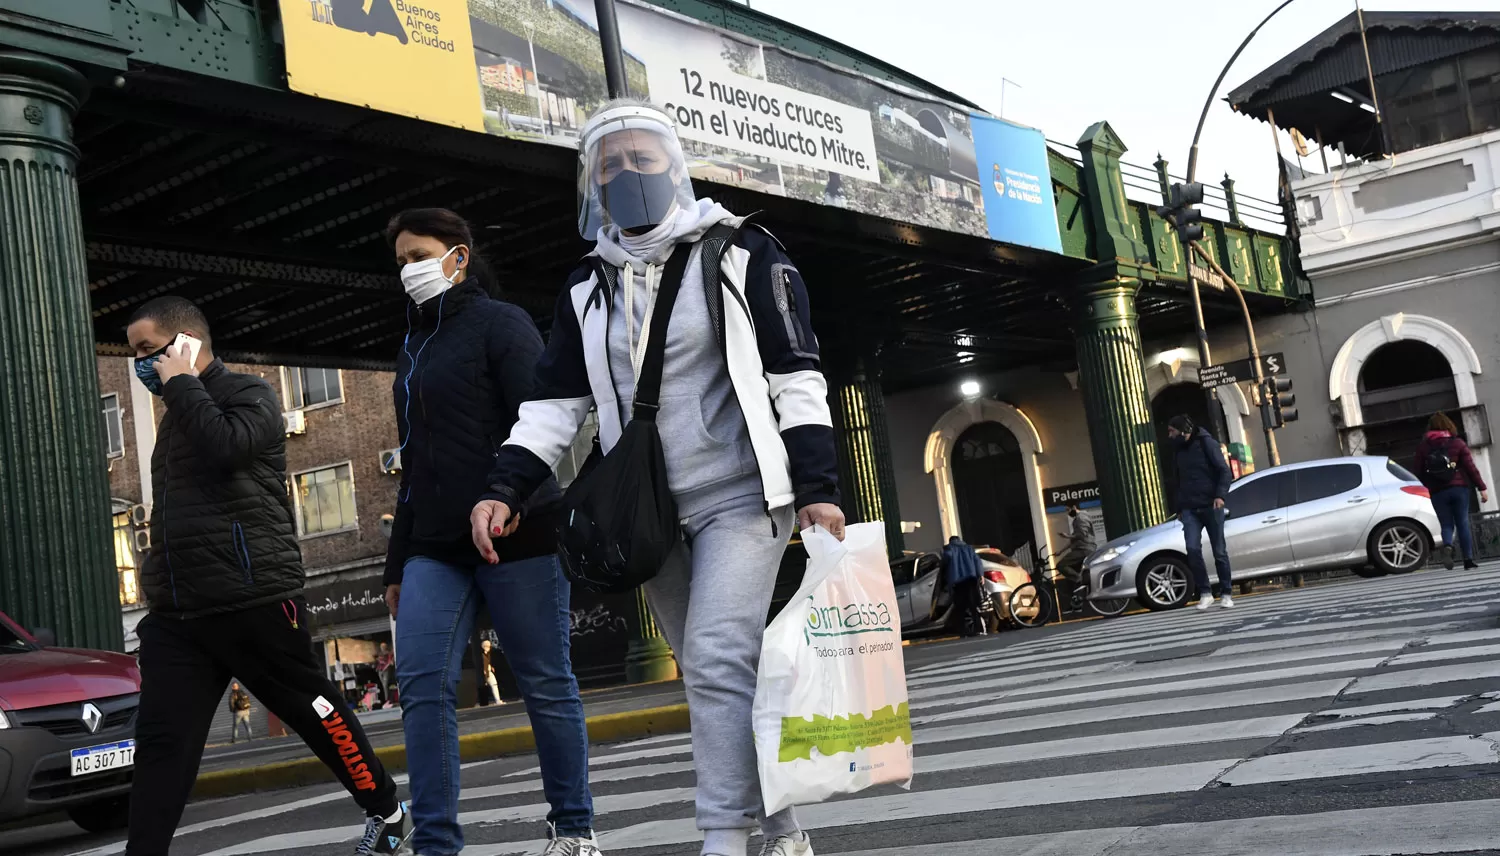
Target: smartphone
192,345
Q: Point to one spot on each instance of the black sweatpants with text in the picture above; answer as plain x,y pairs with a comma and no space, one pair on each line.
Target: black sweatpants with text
186,664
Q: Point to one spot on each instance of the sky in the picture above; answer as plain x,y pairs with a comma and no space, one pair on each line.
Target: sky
1075,62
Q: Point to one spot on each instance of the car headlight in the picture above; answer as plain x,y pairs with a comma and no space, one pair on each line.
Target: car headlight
1111,553
4,723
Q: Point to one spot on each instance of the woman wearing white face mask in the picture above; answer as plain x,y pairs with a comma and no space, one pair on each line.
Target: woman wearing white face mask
466,365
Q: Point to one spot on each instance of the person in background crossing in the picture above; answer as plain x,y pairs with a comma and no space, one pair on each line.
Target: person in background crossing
1203,479
1446,467
961,572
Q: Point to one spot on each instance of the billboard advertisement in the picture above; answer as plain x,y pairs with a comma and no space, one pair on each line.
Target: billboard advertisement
750,115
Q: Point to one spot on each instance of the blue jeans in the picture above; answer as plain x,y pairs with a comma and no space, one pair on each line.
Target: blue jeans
1452,507
528,603
1194,522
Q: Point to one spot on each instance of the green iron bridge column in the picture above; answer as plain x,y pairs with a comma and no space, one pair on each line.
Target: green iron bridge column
867,474
57,568
1112,377
1111,368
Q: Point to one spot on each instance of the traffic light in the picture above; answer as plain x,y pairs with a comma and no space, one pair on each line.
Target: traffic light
1282,401
1182,213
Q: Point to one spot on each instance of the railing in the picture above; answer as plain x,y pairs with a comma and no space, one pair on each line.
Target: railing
1143,184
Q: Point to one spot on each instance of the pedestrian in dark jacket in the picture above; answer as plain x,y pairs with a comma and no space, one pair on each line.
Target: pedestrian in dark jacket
224,583
1203,478
465,368
1446,467
961,572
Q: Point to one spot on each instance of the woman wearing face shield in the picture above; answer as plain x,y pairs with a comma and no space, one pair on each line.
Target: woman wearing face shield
744,423
466,364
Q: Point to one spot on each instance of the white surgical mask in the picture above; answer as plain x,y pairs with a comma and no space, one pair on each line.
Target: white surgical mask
424,280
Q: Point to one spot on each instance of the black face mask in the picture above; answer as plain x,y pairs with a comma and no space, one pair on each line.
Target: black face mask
1073,512
638,200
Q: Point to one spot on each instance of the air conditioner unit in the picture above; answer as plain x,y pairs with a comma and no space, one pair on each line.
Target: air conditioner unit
390,461
143,540
140,515
296,422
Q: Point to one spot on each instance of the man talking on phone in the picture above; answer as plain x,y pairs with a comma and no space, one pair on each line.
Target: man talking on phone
224,583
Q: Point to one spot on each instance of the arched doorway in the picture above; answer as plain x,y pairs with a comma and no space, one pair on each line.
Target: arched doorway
1401,384
1349,387
939,459
989,480
1171,400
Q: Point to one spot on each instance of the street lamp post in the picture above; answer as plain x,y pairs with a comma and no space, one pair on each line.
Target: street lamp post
1189,245
541,109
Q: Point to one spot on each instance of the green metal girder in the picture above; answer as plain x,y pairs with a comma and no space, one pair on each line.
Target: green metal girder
229,40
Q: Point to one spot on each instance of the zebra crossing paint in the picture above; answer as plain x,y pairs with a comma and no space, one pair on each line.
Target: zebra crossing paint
1349,684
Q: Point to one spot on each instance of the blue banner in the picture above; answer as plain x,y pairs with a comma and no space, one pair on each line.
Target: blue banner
1016,182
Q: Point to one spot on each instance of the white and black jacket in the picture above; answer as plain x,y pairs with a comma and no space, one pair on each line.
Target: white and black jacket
759,308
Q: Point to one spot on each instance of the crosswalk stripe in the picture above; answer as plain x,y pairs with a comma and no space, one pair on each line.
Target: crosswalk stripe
1104,713
1084,787
1425,677
1455,827
1404,755
1180,735
1388,719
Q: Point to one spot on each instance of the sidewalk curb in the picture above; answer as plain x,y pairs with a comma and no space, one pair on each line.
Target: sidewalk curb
604,728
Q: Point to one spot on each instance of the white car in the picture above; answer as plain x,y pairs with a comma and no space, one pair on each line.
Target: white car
1365,513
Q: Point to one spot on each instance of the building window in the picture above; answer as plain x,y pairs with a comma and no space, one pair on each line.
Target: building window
325,500
583,444
130,588
114,427
312,387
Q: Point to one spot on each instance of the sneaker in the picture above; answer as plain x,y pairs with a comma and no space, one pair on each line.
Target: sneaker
386,835
1445,554
1226,602
788,845
1205,601
565,845
1471,565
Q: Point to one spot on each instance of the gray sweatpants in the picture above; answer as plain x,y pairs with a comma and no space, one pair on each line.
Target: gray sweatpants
711,601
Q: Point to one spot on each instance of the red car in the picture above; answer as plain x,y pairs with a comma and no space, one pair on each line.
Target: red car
67,727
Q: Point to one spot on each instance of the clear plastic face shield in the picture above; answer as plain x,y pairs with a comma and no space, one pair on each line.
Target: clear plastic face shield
631,171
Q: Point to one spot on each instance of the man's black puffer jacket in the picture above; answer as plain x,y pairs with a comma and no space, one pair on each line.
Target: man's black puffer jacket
475,364
1202,473
222,534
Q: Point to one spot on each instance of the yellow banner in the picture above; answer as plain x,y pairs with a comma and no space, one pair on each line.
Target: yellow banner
412,57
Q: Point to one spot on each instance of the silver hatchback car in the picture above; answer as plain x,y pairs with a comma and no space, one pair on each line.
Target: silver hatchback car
1365,513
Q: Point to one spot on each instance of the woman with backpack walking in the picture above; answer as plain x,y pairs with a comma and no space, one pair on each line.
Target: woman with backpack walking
1447,469
688,329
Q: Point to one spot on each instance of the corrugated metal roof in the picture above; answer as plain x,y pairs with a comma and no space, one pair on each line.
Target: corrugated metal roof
1335,58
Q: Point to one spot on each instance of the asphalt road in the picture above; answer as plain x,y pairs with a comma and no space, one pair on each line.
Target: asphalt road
1357,718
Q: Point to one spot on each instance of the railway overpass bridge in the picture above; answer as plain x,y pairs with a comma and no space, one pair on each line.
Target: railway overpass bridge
236,153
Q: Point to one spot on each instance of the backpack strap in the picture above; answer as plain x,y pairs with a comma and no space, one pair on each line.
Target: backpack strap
715,242
647,398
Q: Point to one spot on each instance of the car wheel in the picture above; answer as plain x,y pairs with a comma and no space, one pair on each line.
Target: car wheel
1398,547
1163,582
105,816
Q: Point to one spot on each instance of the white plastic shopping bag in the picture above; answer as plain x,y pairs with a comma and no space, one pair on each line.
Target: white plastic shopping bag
830,710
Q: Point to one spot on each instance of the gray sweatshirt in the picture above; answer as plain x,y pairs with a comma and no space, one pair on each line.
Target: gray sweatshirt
703,430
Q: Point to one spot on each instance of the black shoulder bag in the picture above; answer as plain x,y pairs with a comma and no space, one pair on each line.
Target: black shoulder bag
619,518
